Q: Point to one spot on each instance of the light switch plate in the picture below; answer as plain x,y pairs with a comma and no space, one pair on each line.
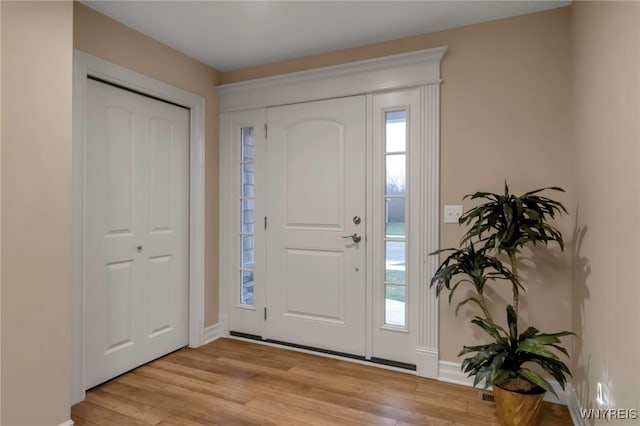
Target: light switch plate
452,214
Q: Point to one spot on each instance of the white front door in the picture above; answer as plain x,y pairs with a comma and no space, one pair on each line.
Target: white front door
315,200
135,231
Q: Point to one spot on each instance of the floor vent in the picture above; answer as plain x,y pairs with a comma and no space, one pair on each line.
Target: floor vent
487,396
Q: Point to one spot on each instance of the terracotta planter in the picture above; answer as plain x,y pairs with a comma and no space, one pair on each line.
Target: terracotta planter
517,409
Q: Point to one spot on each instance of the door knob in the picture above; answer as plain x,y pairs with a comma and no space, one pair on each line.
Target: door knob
139,248
355,237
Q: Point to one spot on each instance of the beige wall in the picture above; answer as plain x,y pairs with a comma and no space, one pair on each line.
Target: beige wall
36,212
101,36
606,294
505,114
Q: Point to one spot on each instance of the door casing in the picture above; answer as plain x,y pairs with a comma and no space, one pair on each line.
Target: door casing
419,69
87,65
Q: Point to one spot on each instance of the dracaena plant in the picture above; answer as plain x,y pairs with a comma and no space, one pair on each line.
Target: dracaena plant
503,361
478,269
504,224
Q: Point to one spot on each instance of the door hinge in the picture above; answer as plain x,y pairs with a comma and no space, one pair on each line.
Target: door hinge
265,314
265,222
265,130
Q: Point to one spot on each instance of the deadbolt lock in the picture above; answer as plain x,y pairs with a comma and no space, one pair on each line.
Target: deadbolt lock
357,220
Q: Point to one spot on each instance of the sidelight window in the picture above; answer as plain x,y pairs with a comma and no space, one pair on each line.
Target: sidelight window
395,214
247,219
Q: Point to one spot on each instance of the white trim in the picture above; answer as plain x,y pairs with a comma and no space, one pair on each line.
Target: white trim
225,271
427,351
67,423
212,333
85,65
224,324
369,269
245,318
450,372
77,294
575,406
372,75
427,362
196,222
415,69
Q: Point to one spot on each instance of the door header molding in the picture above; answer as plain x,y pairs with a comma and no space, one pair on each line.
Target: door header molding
393,72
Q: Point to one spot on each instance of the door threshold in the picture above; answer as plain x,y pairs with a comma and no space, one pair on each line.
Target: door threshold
376,362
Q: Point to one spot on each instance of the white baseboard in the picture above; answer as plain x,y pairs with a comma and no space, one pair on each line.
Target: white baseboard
450,372
67,423
223,320
574,408
212,333
427,363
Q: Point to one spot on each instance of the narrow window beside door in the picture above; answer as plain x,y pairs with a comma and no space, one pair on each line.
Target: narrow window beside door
247,230
395,232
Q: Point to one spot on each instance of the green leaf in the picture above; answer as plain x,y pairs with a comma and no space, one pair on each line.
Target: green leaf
561,349
552,188
508,213
496,365
528,346
529,332
453,289
501,376
491,329
536,379
543,339
465,301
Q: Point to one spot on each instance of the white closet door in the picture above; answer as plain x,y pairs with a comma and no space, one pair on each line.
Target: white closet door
135,231
316,187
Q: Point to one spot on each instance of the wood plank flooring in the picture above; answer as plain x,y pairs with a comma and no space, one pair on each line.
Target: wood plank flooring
232,382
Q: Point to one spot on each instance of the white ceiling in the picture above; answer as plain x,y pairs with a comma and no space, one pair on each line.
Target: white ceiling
236,34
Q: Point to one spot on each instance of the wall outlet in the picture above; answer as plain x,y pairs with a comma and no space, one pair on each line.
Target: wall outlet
452,214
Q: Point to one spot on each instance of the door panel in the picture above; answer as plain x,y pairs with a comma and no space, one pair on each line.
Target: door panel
315,149
160,177
159,295
135,230
119,283
119,128
316,177
320,298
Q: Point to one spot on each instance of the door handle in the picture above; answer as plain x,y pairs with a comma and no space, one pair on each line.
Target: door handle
355,237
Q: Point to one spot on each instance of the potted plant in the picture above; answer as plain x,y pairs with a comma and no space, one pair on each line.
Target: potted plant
502,226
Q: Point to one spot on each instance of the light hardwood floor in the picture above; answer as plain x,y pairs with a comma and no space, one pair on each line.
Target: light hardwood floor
232,382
